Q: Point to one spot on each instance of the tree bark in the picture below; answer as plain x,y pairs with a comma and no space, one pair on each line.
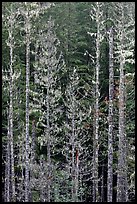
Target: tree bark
33,142
27,28
122,166
77,174
73,149
48,135
110,120
96,116
11,44
7,169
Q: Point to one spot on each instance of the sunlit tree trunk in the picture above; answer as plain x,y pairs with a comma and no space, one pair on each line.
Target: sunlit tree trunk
110,120
33,141
96,116
27,29
122,166
48,141
7,169
77,175
11,46
73,151
32,158
73,136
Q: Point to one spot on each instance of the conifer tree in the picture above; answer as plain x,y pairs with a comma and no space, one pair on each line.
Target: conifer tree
68,102
124,52
49,64
110,120
7,169
10,43
122,165
97,16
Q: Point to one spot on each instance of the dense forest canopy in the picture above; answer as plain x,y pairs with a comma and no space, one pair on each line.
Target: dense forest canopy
68,101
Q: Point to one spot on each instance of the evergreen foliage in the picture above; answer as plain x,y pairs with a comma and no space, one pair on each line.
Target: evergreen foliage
68,101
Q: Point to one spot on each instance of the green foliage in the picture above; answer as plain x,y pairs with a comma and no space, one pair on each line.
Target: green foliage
71,48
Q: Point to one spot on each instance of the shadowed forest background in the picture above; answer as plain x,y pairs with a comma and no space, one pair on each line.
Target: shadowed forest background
68,101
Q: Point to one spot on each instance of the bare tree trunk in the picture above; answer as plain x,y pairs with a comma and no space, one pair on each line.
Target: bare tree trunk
27,27
122,166
48,134
73,150
110,120
96,145
22,170
75,156
11,106
36,60
32,159
93,158
77,174
7,169
33,142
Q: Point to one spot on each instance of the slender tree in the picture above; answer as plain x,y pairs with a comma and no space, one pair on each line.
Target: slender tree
48,77
96,15
59,137
96,145
27,29
122,168
7,169
10,43
72,135
124,51
110,120
29,11
73,144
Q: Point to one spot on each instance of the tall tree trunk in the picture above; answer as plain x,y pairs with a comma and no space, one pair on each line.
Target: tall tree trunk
68,35
7,168
75,156
93,158
95,143
110,120
36,61
73,150
122,166
77,174
22,183
33,142
27,27
32,159
11,106
48,135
